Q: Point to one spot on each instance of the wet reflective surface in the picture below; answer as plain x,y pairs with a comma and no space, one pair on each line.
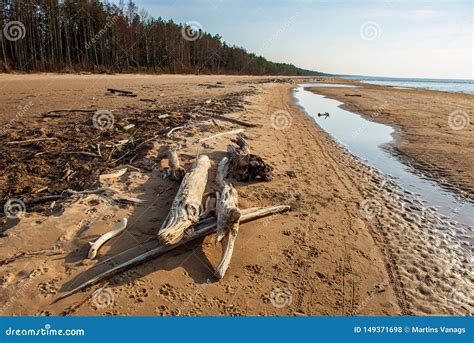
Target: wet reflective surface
364,138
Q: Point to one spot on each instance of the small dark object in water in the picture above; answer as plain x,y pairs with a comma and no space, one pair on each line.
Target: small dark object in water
325,115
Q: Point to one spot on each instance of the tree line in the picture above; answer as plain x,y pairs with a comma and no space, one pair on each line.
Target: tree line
97,36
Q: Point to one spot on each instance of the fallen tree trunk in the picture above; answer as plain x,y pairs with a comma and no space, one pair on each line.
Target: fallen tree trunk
228,216
184,211
204,228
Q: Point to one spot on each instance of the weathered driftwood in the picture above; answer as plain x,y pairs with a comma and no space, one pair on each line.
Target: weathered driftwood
203,228
233,132
64,112
33,140
235,121
113,175
69,192
120,91
245,166
184,211
176,172
148,100
173,130
128,127
85,153
126,199
117,195
228,216
118,229
209,205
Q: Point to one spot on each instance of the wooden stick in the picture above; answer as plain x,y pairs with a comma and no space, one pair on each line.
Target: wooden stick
233,132
184,211
173,130
205,227
114,175
119,228
114,90
126,199
33,140
86,153
92,110
56,113
69,192
235,121
228,216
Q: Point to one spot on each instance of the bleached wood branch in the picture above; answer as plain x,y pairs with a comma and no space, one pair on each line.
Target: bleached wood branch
173,130
233,132
114,175
228,216
118,229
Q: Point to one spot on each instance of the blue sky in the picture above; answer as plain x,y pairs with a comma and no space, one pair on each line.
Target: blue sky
403,38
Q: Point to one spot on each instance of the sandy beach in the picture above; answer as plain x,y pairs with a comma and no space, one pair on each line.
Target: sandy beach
349,245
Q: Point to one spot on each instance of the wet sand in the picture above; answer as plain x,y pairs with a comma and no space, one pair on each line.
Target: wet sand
350,246
434,130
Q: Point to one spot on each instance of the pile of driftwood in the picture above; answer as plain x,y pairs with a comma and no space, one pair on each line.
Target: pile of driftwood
188,219
186,210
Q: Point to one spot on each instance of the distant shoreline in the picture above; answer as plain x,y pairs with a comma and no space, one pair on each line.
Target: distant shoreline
442,85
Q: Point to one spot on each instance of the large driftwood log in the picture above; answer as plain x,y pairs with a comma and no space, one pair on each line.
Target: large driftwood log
245,166
228,216
203,228
184,211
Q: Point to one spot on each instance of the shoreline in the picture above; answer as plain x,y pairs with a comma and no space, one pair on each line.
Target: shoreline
391,148
435,164
369,259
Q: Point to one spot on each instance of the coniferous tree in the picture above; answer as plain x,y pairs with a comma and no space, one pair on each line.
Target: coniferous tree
91,35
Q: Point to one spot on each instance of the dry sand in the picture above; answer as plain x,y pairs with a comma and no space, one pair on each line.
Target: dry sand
349,246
